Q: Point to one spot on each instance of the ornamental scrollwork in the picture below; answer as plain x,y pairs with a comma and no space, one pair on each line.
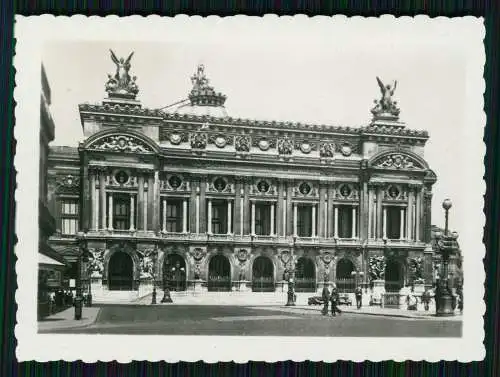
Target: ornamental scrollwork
198,140
68,184
397,161
285,146
242,143
376,267
120,143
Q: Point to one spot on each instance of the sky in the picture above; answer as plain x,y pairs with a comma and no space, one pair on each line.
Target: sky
327,78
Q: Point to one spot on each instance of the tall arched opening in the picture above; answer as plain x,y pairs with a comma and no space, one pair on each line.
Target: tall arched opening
219,274
120,272
263,275
305,275
394,276
174,272
345,280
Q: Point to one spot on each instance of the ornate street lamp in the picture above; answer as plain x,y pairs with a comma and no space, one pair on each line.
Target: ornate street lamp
447,245
154,255
82,257
166,291
291,277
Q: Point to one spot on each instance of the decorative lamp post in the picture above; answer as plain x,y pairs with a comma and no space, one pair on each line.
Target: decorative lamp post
446,246
154,256
166,291
291,277
356,276
82,256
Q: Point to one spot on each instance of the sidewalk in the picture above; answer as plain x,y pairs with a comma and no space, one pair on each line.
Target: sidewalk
371,310
66,320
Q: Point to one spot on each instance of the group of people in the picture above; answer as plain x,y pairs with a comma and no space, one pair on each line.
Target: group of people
332,298
60,299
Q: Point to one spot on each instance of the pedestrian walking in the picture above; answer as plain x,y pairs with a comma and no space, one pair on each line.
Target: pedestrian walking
334,299
359,296
325,295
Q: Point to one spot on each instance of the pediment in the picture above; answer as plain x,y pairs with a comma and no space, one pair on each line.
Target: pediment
398,161
120,143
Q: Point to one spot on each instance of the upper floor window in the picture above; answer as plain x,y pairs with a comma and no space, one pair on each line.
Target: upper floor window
394,220
219,217
174,216
262,219
304,221
121,211
69,216
345,221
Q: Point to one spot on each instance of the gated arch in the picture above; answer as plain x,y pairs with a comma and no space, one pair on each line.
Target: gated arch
394,275
262,274
120,272
219,274
305,275
175,272
345,281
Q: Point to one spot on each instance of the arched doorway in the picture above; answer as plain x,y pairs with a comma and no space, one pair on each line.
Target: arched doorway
262,275
394,277
174,272
219,274
305,275
120,272
345,280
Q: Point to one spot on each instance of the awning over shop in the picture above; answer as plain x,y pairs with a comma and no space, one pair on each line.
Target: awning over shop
47,262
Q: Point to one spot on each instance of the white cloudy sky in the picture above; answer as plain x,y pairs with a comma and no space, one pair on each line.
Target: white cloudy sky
312,76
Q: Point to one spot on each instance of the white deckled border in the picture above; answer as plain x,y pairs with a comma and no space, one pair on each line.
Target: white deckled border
31,32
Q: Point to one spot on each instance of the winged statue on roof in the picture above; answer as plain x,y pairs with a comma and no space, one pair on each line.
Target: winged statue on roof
121,81
386,103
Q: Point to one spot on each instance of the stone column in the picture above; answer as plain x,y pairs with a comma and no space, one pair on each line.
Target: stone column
192,205
418,214
321,209
156,202
110,211
289,214
229,216
93,201
363,214
295,215
253,218
409,215
279,209
198,214
242,208
426,228
184,215
313,220
353,231
246,207
164,219
272,219
336,222
384,225
331,216
85,204
140,201
379,214
132,213
150,209
209,221
370,213
203,207
102,197
237,207
96,208
402,224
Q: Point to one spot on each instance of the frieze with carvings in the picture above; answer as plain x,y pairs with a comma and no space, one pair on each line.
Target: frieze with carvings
327,150
263,187
264,143
242,143
345,148
174,137
174,182
397,161
121,143
198,140
285,146
306,146
69,184
220,140
220,185
121,178
347,191
395,192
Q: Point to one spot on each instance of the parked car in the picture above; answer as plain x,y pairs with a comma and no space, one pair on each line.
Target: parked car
344,299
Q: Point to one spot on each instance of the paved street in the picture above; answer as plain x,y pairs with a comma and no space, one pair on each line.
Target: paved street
258,321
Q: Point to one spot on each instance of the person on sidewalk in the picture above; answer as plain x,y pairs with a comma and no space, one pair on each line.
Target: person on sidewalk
359,295
334,298
325,295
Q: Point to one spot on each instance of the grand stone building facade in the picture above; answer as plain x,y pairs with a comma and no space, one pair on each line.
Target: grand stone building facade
193,198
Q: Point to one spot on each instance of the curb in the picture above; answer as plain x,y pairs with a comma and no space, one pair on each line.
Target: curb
75,326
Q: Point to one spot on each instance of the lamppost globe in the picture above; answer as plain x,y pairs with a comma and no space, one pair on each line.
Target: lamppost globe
447,204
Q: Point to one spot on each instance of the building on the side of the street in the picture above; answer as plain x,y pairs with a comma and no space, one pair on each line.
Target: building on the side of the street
203,201
51,265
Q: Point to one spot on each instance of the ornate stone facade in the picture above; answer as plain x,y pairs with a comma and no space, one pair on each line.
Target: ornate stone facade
326,203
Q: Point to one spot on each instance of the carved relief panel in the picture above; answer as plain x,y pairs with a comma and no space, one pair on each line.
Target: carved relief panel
347,191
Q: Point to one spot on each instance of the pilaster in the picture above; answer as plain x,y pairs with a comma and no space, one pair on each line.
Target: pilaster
202,204
290,218
322,206
279,209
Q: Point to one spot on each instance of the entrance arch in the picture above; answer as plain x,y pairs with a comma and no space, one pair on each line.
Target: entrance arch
305,275
262,275
174,272
394,276
219,274
344,279
120,272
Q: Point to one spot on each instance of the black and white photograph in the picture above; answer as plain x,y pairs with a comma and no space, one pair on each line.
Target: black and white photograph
215,188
